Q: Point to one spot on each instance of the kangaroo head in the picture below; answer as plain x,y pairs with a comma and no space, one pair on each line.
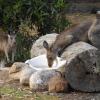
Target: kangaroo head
11,40
51,54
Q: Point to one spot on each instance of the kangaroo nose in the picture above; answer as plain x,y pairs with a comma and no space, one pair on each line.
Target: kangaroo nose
50,65
14,43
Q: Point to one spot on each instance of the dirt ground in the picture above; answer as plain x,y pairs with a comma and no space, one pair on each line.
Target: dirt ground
12,90
77,18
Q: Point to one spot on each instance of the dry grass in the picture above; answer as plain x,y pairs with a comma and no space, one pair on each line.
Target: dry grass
79,17
12,90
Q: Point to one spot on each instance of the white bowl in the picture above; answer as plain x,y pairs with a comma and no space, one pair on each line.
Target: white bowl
40,63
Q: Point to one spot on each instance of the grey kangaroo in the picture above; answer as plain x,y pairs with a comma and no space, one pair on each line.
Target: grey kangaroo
82,32
94,31
7,45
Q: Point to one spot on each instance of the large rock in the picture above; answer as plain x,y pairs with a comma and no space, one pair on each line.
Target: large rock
83,67
21,71
37,47
39,80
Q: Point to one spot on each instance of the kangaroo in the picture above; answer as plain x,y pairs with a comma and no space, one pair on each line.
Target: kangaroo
94,31
66,38
7,45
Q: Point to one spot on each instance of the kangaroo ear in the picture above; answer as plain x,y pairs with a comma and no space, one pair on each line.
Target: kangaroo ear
9,36
46,45
14,36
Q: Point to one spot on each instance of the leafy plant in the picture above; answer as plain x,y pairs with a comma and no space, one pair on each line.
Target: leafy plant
24,44
46,15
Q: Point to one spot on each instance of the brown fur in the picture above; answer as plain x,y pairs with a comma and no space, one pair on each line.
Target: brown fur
94,32
78,32
66,38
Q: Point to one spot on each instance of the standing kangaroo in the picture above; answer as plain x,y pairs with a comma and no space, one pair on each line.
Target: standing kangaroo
7,45
85,31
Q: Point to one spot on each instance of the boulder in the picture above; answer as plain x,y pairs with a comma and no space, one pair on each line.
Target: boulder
17,67
83,67
37,47
39,80
21,71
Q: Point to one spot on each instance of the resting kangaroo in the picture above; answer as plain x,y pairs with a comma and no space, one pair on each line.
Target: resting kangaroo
72,35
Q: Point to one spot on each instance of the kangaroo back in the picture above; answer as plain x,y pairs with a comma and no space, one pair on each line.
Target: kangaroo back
94,32
66,38
71,35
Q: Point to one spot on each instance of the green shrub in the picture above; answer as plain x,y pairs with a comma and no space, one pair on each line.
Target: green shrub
24,44
47,15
